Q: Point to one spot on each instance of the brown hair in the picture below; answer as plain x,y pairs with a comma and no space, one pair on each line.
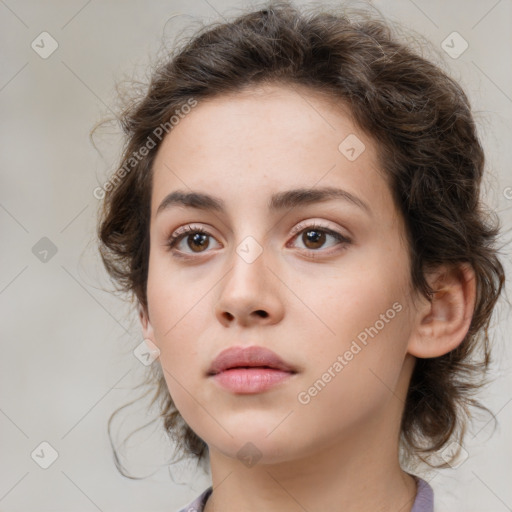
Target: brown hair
428,149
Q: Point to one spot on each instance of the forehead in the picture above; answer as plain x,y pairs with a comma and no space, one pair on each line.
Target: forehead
248,145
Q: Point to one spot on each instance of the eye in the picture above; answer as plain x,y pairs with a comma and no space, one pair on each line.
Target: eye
195,238
314,236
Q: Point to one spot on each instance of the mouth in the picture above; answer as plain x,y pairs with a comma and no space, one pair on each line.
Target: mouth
249,358
251,379
250,368
244,370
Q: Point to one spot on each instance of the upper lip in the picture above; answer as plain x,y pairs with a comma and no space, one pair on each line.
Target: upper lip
236,357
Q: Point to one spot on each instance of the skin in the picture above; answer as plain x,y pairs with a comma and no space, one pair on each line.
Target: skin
340,450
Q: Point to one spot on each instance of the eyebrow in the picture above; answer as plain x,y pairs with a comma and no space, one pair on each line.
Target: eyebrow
280,201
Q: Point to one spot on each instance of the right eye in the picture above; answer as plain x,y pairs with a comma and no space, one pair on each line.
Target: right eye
194,238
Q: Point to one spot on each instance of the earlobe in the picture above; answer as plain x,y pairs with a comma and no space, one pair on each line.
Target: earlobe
147,329
442,323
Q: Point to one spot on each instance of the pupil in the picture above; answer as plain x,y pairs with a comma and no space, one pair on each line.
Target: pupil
199,239
315,237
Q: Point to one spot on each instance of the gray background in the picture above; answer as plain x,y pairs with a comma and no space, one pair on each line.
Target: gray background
67,343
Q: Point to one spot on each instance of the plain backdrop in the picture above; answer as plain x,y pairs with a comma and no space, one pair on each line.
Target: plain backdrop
67,343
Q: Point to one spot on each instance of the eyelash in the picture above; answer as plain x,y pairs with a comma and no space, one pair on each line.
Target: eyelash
181,233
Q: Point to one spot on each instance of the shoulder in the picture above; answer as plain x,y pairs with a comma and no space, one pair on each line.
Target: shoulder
424,501
198,504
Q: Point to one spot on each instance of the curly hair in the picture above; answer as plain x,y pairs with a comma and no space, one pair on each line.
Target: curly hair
428,151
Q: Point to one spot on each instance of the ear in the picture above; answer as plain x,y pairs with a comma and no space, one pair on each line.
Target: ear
442,323
147,328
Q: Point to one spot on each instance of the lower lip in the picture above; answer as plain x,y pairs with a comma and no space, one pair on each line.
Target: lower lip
245,380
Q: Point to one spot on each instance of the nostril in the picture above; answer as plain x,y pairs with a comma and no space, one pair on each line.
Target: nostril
262,313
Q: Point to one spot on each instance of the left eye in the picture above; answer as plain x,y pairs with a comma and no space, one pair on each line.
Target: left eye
314,237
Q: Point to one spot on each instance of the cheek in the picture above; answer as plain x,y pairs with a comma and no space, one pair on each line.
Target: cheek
175,310
176,331
352,379
362,317
356,297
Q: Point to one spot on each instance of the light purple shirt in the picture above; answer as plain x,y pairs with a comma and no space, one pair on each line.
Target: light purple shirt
424,501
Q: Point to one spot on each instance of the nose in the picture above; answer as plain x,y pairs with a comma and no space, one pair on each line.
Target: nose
249,293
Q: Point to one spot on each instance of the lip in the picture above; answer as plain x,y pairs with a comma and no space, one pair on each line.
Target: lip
254,356
249,369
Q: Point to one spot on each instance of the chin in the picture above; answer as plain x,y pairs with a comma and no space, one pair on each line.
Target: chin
256,447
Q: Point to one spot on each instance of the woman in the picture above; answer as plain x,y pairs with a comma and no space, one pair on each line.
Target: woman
297,214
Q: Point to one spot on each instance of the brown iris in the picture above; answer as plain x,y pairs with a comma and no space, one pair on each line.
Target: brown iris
200,239
314,236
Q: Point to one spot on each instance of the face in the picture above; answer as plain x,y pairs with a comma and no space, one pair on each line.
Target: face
323,283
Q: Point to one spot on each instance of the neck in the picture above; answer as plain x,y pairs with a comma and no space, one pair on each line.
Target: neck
362,473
